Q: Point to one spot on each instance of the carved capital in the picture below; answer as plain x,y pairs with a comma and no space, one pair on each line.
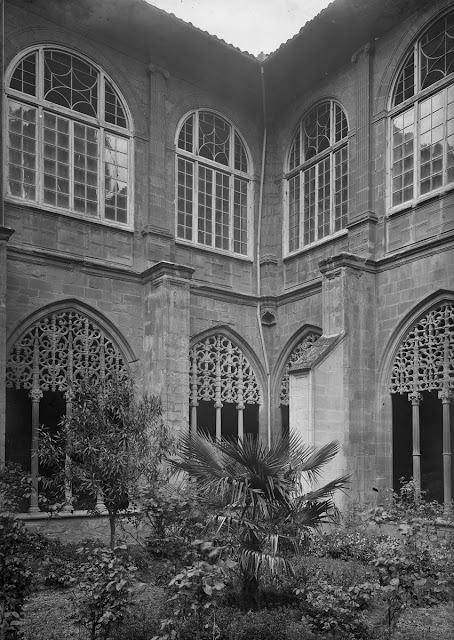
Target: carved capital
415,398
35,395
445,395
364,50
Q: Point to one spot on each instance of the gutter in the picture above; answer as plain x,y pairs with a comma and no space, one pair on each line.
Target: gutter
258,270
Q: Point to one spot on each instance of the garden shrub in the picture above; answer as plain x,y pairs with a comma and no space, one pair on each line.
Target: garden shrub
15,574
103,589
283,624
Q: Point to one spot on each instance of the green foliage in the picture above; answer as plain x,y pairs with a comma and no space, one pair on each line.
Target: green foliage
259,497
197,588
15,485
175,518
109,444
267,625
336,609
103,589
15,575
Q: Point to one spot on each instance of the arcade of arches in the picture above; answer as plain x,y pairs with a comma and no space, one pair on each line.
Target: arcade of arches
422,380
225,396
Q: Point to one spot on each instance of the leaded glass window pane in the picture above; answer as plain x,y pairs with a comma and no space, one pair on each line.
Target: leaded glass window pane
323,198
309,205
185,186
317,131
222,211
22,150
205,202
214,138
56,161
240,155
340,123
240,191
212,203
24,76
186,137
295,152
70,82
450,136
340,189
403,136
86,143
431,118
116,172
405,87
437,51
114,112
294,213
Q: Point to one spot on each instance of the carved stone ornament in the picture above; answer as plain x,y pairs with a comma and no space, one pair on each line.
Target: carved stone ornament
425,360
298,352
221,373
59,351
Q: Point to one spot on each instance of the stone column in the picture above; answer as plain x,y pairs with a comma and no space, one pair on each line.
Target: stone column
348,298
415,399
5,234
362,220
166,339
445,397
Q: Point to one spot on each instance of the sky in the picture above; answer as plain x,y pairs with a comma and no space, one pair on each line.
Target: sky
251,25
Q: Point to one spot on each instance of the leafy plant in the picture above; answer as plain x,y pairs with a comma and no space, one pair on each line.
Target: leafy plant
104,590
259,497
15,575
198,587
109,445
15,485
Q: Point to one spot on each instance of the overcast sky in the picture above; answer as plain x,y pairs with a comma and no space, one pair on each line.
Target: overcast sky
250,25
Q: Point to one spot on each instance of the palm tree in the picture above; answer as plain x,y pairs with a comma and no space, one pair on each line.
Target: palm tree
262,498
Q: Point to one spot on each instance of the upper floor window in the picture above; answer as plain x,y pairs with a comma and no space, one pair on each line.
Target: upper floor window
317,182
69,138
422,123
213,184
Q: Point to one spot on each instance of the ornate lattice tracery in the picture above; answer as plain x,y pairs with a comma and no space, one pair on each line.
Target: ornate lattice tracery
60,350
221,373
298,352
425,360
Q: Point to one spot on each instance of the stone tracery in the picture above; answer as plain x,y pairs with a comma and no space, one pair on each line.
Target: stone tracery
220,373
298,352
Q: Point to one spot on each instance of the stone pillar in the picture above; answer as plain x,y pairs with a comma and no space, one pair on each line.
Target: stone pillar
166,339
348,298
445,397
362,220
415,399
5,234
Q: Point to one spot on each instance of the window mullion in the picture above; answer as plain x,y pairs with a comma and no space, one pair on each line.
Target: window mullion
195,212
101,178
231,211
445,138
416,151
301,212
332,177
213,209
71,166
316,172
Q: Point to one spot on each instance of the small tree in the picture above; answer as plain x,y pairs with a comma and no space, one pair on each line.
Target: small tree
107,446
261,498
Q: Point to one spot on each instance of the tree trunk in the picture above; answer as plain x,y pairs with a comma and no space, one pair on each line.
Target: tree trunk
112,528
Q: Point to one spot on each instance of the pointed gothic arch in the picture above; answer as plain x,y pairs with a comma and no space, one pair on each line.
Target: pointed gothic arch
224,389
295,349
48,356
421,383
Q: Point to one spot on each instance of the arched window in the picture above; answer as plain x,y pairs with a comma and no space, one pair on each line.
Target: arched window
42,370
317,178
224,391
422,117
298,352
69,137
422,384
213,184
